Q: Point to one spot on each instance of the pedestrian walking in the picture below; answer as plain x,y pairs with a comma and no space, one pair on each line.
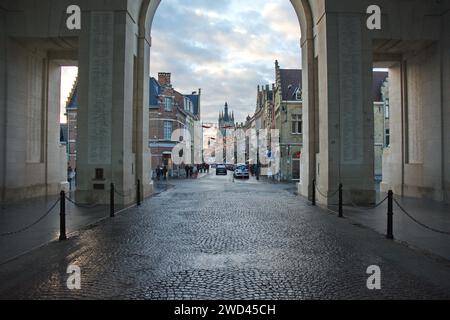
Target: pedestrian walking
158,173
70,177
195,172
164,170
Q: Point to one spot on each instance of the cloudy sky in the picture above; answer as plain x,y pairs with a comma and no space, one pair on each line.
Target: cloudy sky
225,47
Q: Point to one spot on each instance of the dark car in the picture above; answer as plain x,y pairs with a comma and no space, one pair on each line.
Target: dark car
230,167
221,170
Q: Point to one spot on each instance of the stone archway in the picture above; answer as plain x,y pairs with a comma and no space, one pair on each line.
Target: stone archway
338,53
305,17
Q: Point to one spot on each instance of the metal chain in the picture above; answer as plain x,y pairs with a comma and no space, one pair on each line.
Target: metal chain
418,222
88,206
122,194
33,224
368,208
326,196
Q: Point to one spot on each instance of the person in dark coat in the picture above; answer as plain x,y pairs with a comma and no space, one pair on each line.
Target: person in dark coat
164,170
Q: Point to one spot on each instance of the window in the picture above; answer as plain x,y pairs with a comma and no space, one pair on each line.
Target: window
297,124
99,174
168,104
188,105
167,130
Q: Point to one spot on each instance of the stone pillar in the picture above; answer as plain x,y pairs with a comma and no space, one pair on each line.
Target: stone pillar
54,176
393,156
105,119
143,163
2,103
308,156
445,75
346,143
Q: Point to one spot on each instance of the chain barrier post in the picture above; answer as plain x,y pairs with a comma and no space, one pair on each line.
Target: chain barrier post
314,192
341,205
390,214
138,190
62,217
111,201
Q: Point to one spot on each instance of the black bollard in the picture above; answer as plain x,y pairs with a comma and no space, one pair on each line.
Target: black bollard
314,192
111,201
390,214
62,217
138,190
341,205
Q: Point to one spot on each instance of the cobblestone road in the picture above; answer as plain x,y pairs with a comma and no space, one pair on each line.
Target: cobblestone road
215,239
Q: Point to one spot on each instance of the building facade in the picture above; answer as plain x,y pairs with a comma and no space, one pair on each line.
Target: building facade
72,107
169,111
381,120
288,102
225,132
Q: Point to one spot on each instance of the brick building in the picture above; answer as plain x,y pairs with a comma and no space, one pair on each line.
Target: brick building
69,130
170,110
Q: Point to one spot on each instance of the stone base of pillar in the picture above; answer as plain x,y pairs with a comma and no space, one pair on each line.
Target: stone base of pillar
299,188
30,192
414,191
148,189
97,197
358,197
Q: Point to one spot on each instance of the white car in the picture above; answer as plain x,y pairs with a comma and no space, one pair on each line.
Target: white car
241,171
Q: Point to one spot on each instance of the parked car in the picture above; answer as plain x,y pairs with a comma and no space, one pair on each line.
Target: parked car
221,170
241,171
230,167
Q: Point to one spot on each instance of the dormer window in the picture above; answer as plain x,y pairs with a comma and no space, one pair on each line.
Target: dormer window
188,105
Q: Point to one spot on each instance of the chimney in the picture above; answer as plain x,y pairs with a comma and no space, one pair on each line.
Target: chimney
164,79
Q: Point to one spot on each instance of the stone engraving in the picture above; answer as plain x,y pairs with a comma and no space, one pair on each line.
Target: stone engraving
351,102
100,83
35,112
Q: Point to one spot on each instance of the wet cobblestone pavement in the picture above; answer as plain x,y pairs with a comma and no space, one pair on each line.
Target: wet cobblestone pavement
215,239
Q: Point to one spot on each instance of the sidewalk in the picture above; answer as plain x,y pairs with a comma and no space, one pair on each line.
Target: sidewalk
431,213
17,216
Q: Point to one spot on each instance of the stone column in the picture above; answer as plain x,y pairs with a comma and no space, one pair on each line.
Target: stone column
345,108
53,175
3,100
105,119
393,156
445,74
308,156
143,163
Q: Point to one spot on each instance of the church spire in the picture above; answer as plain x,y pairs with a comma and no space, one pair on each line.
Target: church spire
226,110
